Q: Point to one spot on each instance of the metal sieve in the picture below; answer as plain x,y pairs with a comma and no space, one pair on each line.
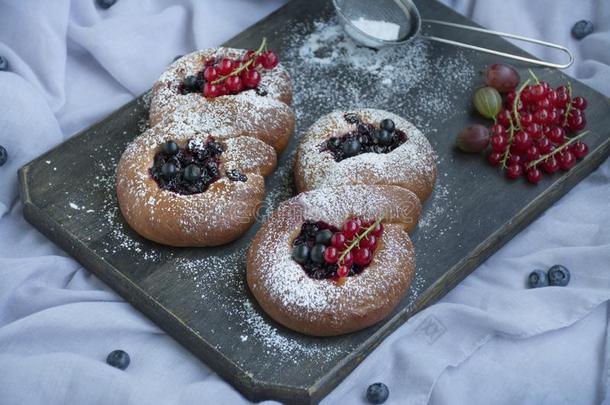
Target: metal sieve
404,14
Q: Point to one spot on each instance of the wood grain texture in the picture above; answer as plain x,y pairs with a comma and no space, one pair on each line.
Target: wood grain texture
68,196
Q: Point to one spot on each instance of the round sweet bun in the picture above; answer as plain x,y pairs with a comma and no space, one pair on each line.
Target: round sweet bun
216,216
325,307
412,165
267,117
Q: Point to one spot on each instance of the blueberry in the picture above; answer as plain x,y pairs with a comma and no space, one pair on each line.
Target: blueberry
317,253
538,278
559,275
324,236
335,143
387,124
3,63
384,137
215,147
171,147
582,28
351,147
212,169
3,155
177,57
377,393
169,170
192,173
191,83
118,359
105,4
300,253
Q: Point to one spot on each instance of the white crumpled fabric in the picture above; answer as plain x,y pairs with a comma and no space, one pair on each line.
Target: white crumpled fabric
488,341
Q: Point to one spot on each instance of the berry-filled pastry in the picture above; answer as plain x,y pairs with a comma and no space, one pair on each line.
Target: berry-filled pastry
225,90
365,146
179,186
335,260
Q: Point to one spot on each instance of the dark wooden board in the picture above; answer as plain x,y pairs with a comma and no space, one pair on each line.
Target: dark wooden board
199,296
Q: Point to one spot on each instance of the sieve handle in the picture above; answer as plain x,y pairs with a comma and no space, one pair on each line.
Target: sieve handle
500,53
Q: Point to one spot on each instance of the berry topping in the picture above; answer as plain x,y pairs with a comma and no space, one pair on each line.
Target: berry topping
269,60
538,278
559,275
388,125
366,138
210,73
225,66
118,359
251,78
324,252
188,170
377,393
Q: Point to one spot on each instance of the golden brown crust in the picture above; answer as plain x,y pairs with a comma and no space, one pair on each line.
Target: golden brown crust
322,307
411,166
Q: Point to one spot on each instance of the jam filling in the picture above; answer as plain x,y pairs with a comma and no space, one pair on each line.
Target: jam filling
190,169
365,138
327,252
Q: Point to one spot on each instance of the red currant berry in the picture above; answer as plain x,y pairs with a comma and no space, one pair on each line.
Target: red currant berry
504,118
576,122
550,165
525,94
561,89
545,146
510,97
543,104
553,117
331,254
343,271
522,141
567,160
378,230
535,130
370,242
557,135
497,129
270,60
552,97
338,240
562,100
533,153
210,73
514,171
580,149
210,90
350,228
498,143
250,78
362,257
526,119
225,66
247,56
534,175
514,160
209,62
579,103
537,92
542,117
494,158
222,89
234,84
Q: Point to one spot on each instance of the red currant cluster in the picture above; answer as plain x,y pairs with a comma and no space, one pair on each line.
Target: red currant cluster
355,244
536,131
230,76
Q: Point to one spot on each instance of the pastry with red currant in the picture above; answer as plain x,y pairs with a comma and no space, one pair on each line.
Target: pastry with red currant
182,187
228,92
335,260
365,146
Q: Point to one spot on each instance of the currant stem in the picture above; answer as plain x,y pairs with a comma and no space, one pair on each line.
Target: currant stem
516,103
533,76
508,145
559,149
262,47
356,241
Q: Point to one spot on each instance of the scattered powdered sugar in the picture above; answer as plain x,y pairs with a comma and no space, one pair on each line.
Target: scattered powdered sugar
385,30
